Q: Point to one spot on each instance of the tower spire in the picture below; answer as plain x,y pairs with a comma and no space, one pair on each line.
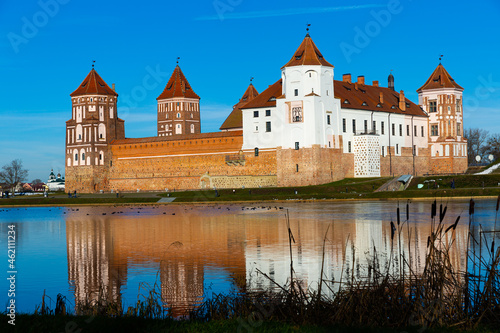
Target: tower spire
93,62
178,58
307,30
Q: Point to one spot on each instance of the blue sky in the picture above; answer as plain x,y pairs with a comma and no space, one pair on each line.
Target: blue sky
47,48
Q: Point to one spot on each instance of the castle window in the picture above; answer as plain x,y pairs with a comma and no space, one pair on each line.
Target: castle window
400,130
192,128
349,146
374,126
379,105
382,129
346,101
256,151
328,119
268,113
296,92
178,115
256,114
393,129
408,130
415,130
296,146
354,126
296,165
434,130
344,126
458,105
383,151
397,148
458,129
178,129
191,116
432,106
364,104
366,126
422,131
76,157
268,126
83,157
297,114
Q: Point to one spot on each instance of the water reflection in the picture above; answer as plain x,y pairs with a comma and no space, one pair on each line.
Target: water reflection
185,244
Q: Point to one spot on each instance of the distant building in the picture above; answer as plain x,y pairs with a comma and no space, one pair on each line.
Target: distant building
55,183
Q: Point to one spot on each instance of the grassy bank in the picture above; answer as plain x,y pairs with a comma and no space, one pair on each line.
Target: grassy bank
349,188
51,323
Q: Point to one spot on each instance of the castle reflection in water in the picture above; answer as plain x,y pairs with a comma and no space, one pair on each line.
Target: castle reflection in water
239,240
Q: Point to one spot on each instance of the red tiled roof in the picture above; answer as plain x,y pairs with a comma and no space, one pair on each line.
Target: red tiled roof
178,86
93,84
307,54
267,98
370,96
365,97
440,78
235,118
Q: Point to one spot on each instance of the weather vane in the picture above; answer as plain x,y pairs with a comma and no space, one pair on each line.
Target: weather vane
178,60
251,79
307,29
441,57
93,62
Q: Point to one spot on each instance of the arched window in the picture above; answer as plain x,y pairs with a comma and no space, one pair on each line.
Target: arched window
102,131
178,129
69,161
191,116
82,154
79,132
178,114
101,157
192,128
76,157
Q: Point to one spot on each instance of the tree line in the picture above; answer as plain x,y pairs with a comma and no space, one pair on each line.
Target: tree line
481,143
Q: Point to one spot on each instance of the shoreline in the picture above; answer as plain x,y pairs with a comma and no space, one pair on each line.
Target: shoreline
207,203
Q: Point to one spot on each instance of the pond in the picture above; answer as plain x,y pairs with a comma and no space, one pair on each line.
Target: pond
192,251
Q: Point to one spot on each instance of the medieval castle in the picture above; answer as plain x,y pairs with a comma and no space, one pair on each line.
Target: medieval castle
304,129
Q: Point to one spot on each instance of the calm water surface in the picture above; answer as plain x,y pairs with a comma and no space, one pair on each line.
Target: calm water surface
192,251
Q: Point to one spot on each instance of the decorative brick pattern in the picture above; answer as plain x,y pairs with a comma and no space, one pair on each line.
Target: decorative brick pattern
366,156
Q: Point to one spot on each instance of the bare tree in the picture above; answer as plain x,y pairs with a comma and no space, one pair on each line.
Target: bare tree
476,143
493,145
36,181
13,173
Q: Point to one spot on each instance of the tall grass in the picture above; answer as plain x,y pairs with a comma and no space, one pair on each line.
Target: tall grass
397,294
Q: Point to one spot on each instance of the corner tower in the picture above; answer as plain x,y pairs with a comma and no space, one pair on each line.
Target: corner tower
178,107
93,125
441,98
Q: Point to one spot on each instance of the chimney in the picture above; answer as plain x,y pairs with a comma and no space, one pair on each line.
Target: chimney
346,78
113,87
375,83
361,79
381,98
356,85
402,101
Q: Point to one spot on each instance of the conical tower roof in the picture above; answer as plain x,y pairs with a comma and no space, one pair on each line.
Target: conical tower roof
440,78
93,84
307,54
235,118
178,86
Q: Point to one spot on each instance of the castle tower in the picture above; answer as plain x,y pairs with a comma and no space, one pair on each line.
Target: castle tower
307,102
93,125
178,107
234,121
441,98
